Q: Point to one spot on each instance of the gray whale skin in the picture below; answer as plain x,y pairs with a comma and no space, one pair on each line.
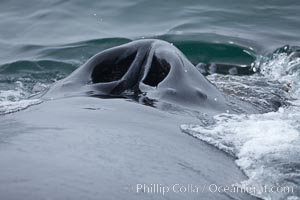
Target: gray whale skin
147,70
89,148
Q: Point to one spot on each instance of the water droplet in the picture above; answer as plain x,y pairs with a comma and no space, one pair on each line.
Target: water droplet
281,110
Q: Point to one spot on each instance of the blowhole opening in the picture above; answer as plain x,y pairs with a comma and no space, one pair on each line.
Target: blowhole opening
159,70
112,69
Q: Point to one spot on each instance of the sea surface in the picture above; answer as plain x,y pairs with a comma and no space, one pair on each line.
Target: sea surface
42,41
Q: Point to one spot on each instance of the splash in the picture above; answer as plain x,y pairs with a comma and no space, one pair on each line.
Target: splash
17,97
7,107
283,66
266,146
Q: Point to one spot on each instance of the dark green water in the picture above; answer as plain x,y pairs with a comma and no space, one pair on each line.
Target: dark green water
46,40
42,41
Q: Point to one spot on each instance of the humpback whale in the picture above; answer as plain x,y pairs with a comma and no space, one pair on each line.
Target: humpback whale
148,70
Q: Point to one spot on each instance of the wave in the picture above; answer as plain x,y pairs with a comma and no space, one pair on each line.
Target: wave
13,100
266,146
7,107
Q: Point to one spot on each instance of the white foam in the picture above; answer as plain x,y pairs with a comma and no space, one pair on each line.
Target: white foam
13,94
16,99
266,146
283,68
7,107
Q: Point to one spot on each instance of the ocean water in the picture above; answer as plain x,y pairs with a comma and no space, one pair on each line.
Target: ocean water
44,41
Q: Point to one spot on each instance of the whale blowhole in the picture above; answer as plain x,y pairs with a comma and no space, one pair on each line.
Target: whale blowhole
113,69
158,71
